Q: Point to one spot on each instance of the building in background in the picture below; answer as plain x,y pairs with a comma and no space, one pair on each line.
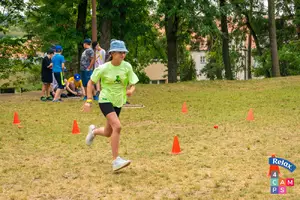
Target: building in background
199,48
157,72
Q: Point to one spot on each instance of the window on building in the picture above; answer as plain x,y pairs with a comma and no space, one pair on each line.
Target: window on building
202,59
161,81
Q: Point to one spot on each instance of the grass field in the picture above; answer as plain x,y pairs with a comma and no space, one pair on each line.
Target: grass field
43,160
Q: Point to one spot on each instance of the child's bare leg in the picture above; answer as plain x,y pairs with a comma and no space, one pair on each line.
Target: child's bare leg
115,124
57,94
103,131
47,89
43,89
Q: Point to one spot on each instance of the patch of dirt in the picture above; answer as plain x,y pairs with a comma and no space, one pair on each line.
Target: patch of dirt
5,96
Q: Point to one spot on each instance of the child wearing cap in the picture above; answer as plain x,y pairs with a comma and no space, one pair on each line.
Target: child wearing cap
58,63
86,63
74,86
117,82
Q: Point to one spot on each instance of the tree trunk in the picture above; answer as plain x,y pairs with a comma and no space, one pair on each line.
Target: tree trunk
273,39
244,65
249,56
105,31
249,52
122,23
94,21
105,7
80,27
297,17
225,42
219,74
171,26
253,33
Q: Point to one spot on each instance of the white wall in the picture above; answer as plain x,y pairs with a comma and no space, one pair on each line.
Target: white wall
196,55
198,64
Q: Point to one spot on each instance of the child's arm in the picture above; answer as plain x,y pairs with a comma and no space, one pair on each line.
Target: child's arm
92,63
69,89
88,104
89,91
130,90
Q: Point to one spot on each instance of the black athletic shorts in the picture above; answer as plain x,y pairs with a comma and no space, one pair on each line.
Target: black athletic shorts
107,108
47,77
60,79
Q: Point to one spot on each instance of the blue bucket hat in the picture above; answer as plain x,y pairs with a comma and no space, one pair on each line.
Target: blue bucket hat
58,48
117,46
77,77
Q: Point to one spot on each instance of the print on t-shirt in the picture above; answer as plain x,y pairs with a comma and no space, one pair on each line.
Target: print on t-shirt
118,79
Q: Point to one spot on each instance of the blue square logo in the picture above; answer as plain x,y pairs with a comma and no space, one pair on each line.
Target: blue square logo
274,190
274,174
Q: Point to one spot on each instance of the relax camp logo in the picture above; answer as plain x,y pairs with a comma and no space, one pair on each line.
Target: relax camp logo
278,183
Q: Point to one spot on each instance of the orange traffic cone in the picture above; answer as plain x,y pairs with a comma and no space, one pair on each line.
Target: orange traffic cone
250,116
16,118
75,129
274,167
176,147
184,108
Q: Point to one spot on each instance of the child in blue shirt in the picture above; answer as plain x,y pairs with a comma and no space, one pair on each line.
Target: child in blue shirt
58,62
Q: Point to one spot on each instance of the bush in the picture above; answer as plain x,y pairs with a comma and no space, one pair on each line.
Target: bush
143,78
289,61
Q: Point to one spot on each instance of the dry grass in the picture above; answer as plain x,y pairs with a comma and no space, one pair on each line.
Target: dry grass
43,160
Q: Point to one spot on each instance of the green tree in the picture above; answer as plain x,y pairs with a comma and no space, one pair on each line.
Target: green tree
181,19
186,64
10,13
297,17
119,20
213,69
81,27
58,23
289,58
251,14
17,60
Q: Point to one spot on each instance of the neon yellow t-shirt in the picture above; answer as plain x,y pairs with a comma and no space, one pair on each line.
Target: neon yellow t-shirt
114,80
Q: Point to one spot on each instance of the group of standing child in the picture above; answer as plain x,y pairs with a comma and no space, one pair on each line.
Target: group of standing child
52,72
53,66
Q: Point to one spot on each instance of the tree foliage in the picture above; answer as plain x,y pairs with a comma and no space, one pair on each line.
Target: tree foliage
10,13
158,30
180,20
54,23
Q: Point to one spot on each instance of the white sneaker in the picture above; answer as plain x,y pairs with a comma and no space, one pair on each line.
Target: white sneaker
120,163
90,136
